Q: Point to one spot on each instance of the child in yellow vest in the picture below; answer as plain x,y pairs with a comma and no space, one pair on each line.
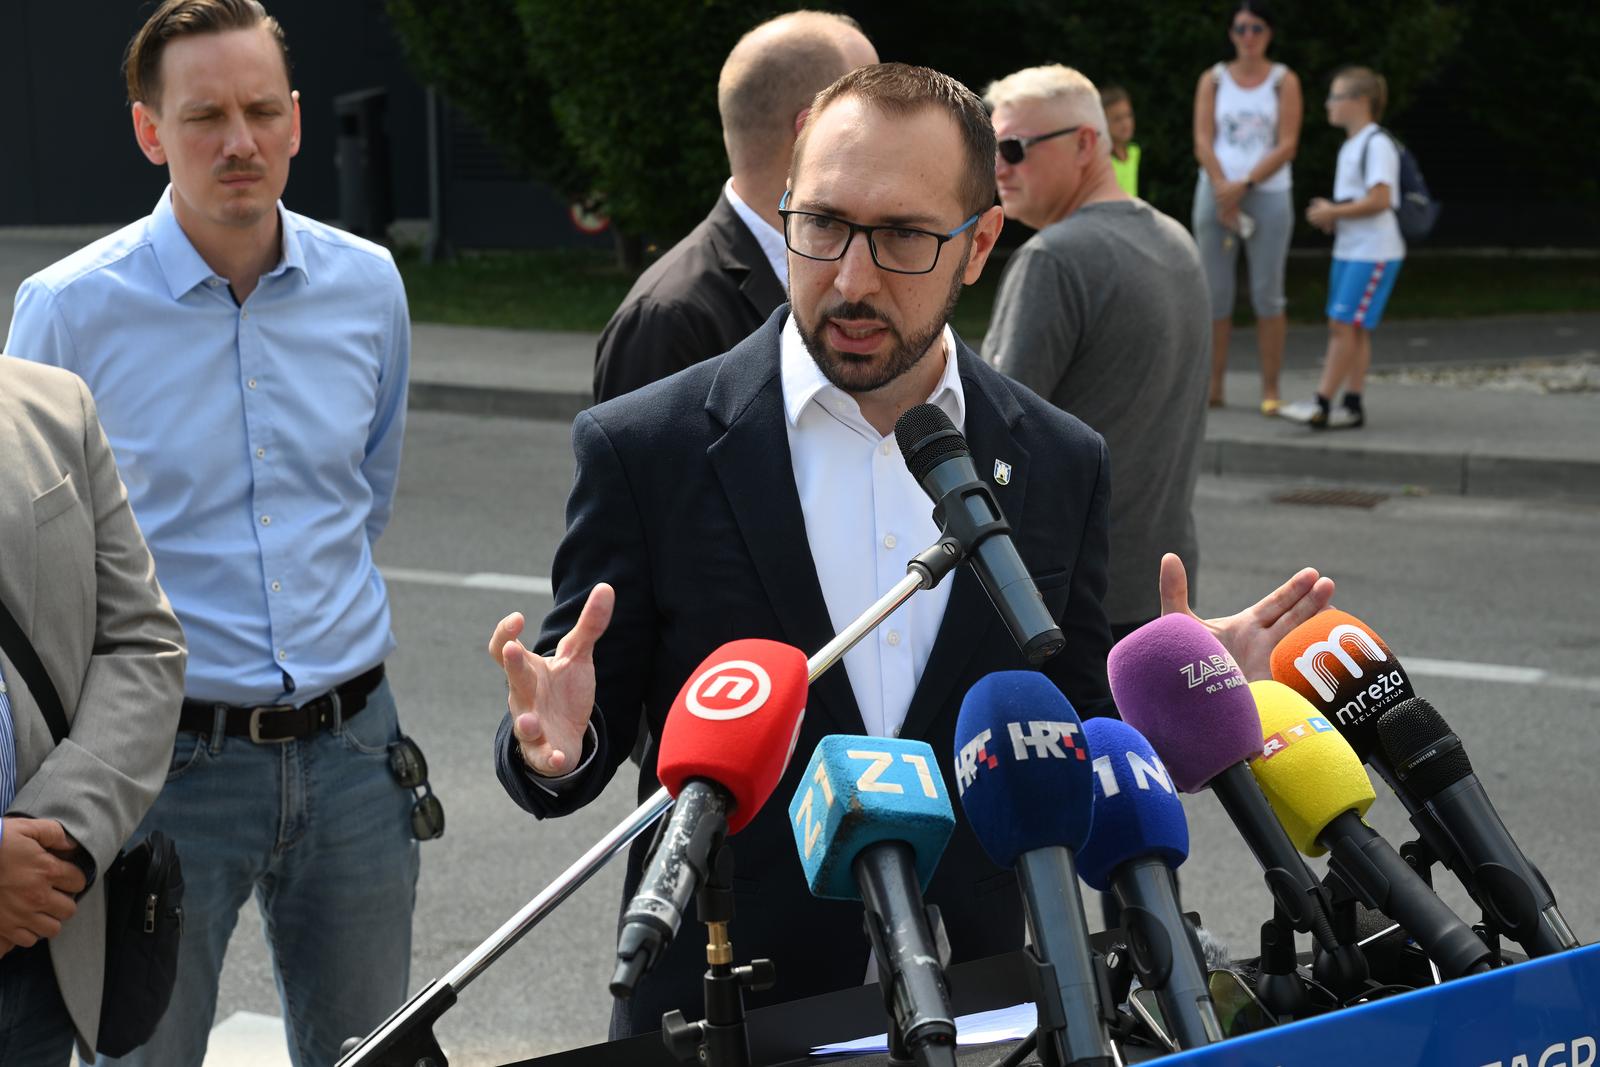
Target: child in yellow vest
1119,122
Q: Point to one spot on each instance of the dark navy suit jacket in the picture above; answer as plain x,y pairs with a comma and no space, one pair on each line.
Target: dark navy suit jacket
685,502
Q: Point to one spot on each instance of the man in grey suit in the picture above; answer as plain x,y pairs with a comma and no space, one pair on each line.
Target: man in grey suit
78,579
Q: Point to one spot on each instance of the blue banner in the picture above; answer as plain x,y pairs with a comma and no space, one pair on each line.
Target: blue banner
1543,1013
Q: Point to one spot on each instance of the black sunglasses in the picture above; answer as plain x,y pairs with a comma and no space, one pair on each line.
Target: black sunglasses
1240,29
1015,149
410,769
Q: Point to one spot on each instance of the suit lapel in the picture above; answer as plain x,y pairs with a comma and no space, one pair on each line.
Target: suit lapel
752,462
742,257
970,616
18,572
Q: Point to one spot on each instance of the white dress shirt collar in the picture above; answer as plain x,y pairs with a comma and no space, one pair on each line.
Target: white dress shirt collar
770,239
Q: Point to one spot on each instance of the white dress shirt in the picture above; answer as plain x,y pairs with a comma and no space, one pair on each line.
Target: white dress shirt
866,517
770,239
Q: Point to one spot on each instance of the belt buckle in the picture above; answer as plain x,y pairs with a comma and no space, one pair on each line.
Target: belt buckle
255,724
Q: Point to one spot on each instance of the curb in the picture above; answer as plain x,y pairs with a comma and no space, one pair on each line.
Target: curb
1448,473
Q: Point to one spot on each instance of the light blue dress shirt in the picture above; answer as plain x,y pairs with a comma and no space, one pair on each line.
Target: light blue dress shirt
8,750
259,443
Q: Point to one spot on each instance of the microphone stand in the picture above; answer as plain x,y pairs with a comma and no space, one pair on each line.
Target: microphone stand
405,1039
720,1039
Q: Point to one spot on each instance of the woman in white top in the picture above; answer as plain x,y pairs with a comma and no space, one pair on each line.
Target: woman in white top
1247,116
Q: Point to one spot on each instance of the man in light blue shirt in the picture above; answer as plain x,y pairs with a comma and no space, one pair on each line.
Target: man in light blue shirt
250,366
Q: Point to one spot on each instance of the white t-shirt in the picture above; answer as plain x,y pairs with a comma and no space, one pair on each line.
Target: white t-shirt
1374,238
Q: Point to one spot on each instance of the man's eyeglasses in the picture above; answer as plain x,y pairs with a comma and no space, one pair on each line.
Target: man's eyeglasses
1015,149
410,769
900,249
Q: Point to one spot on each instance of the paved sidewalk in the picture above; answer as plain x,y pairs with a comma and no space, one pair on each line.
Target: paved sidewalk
1435,437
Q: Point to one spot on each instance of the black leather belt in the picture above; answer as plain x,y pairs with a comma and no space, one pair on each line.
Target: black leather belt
283,722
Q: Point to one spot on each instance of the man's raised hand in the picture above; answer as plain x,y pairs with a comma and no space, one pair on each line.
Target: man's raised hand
1252,634
552,697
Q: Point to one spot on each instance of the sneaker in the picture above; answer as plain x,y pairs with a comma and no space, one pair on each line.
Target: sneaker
1300,411
1342,418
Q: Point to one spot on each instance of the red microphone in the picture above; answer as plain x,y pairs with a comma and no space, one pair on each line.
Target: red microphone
727,741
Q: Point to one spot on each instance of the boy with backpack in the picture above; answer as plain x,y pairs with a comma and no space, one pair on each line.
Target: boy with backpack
1367,248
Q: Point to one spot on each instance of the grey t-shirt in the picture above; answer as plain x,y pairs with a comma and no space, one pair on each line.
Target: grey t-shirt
1105,315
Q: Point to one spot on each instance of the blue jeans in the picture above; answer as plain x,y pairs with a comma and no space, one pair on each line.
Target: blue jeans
35,1030
320,831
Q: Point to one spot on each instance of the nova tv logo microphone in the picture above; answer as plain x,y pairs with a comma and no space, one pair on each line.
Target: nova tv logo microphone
729,690
1315,664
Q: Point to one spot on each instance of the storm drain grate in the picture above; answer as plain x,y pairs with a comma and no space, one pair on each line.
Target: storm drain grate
1331,498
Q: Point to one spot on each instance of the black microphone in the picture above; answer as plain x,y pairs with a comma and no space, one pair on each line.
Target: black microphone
1433,764
966,510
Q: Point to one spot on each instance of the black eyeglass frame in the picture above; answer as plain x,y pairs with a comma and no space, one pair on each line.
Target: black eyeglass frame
410,768
1003,150
872,245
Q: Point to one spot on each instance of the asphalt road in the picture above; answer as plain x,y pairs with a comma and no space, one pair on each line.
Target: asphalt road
1462,581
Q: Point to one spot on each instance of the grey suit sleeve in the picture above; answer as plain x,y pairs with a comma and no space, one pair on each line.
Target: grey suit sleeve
99,782
1037,321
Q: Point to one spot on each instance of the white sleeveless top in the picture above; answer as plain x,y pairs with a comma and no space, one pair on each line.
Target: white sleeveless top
1247,126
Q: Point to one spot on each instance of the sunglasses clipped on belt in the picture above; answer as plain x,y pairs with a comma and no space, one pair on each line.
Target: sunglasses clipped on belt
410,769
1015,149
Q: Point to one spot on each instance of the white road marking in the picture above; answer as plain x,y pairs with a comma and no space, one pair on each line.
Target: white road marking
1422,667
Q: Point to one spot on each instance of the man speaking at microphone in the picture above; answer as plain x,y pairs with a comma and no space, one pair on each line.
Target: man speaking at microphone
761,494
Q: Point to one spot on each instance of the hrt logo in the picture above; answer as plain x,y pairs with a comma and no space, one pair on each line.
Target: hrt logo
1281,740
1144,772
973,755
729,690
1044,740
1315,664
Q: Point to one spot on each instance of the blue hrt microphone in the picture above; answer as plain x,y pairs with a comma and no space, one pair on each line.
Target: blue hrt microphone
1023,773
871,818
1139,837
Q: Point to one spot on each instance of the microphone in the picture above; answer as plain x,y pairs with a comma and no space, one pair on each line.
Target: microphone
1024,777
1312,778
1430,761
871,818
1175,683
964,508
725,745
1138,838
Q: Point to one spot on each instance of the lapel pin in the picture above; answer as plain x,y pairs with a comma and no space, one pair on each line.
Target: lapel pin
1002,472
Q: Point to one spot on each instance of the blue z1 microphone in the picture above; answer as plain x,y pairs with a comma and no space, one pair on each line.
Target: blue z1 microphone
1023,773
871,819
1140,836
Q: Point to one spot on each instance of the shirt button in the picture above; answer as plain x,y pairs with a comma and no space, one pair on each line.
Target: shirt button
883,449
213,282
244,314
282,655
266,520
893,638
261,453
277,586
889,541
251,383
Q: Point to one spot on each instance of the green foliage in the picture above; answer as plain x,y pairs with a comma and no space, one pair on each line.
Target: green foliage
475,55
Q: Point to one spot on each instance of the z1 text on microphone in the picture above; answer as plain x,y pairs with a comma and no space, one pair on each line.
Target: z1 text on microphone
871,819
1024,777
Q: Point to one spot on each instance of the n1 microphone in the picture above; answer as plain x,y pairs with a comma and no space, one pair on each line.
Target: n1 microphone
1024,777
870,820
1317,786
725,745
1139,837
964,508
1175,683
1431,761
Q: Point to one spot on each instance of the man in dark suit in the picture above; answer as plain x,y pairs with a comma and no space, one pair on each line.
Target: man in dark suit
713,288
760,494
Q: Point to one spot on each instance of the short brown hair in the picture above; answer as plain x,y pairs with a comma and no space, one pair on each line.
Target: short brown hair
185,18
1113,94
899,90
1364,81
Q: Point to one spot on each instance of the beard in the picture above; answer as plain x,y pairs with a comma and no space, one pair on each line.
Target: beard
862,374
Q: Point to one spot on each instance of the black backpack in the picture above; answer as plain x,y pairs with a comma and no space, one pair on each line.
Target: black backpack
1415,209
